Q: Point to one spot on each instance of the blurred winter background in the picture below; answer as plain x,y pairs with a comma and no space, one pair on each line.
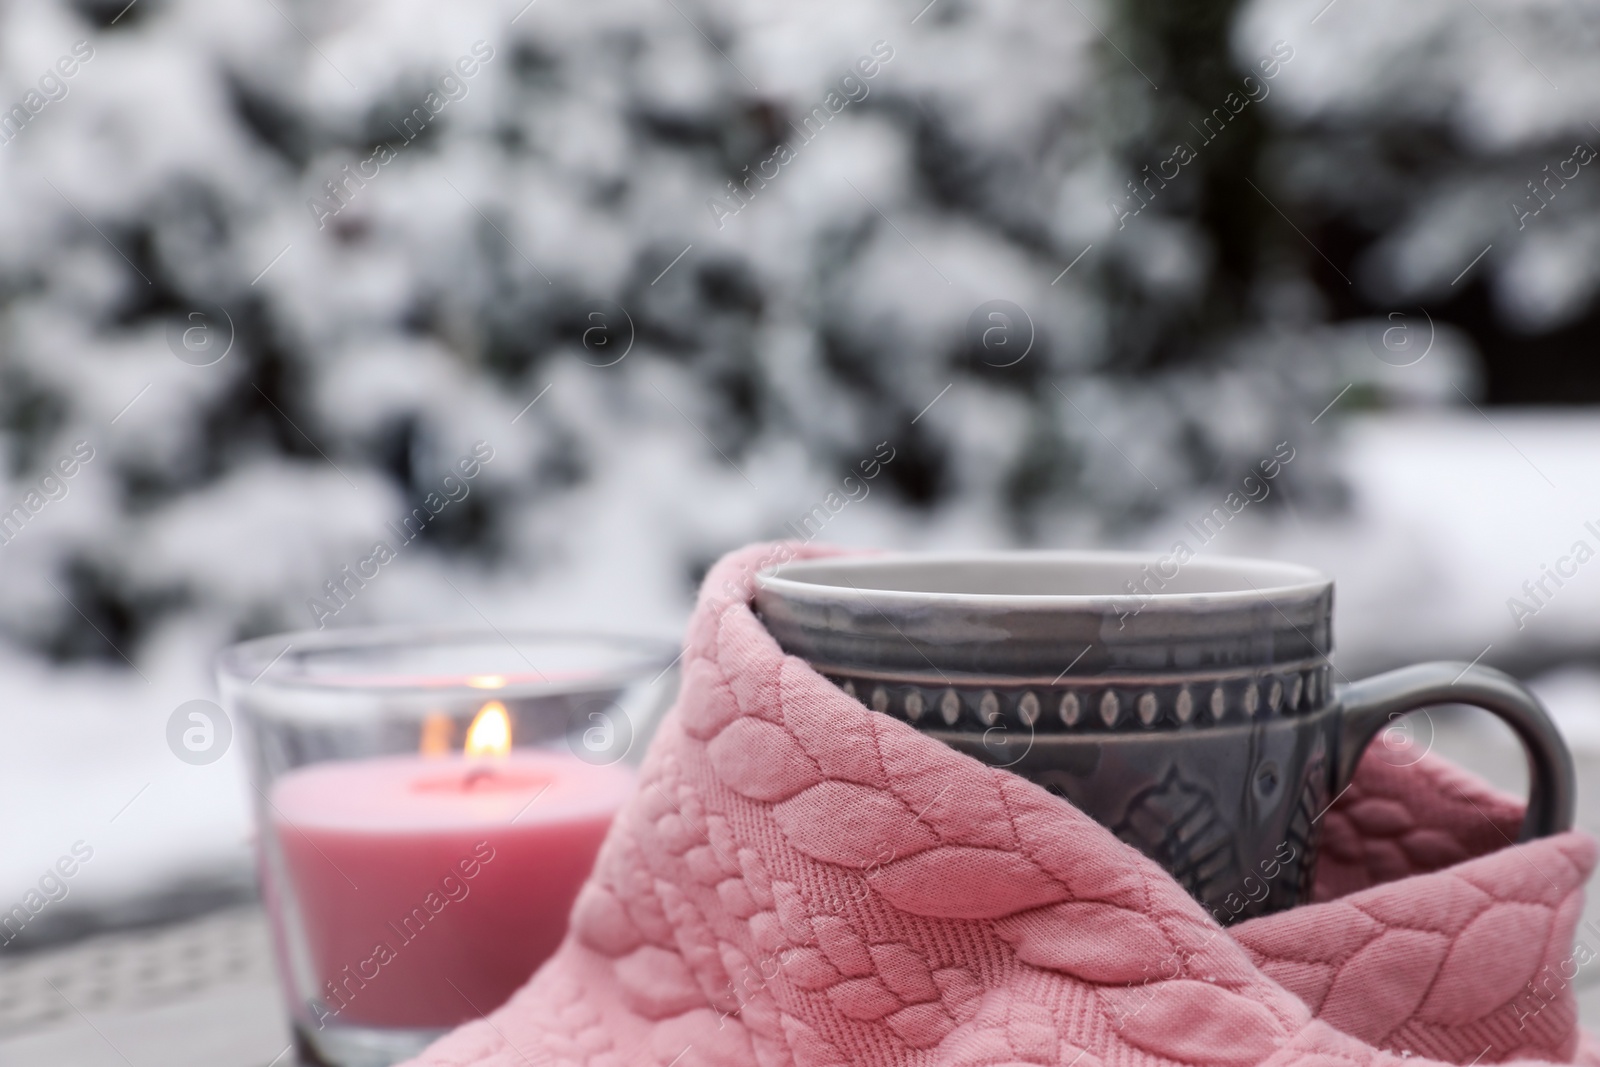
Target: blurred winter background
275,265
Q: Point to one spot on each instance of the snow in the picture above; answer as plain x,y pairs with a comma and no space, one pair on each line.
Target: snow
87,761
1572,696
1452,511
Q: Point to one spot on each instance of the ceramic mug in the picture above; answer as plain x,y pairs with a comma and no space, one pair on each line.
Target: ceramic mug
1190,707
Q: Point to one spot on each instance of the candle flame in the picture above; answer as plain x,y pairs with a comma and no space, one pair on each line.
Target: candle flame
490,732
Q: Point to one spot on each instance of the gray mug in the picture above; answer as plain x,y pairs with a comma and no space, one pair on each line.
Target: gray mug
1188,706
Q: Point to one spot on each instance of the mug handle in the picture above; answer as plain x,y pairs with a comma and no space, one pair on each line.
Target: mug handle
1371,704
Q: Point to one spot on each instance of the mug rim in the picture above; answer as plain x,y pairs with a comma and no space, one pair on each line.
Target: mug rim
1282,579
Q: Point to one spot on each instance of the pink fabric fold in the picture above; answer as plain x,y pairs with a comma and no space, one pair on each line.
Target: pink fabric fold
802,881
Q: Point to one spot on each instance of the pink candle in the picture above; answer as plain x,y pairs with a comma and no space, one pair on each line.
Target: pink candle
429,889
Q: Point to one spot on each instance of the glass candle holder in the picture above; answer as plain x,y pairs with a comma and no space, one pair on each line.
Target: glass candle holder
428,804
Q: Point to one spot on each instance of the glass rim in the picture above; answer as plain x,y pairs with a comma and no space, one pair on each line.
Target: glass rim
626,658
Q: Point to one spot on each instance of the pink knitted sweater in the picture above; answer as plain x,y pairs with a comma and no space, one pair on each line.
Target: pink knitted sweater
800,880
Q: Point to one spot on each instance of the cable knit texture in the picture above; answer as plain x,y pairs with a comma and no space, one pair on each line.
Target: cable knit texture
801,881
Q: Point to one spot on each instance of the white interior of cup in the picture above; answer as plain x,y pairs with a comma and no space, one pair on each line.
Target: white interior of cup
1043,576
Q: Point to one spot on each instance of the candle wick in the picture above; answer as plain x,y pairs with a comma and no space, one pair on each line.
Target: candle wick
476,775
